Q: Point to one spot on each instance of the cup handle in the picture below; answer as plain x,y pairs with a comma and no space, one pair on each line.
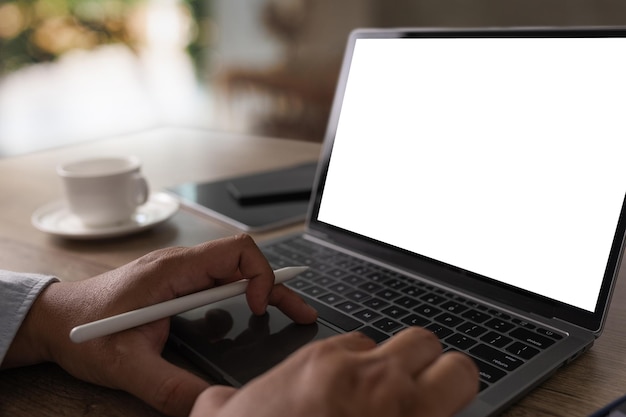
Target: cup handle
140,191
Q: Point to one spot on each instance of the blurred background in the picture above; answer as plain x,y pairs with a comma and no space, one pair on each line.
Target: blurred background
73,70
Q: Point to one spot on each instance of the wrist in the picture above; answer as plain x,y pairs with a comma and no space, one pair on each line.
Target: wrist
31,344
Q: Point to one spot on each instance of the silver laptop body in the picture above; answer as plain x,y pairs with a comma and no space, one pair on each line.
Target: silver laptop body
479,172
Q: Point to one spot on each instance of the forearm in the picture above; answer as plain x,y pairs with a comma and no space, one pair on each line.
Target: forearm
18,295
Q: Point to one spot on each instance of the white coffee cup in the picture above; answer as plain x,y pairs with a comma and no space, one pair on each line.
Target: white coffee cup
104,191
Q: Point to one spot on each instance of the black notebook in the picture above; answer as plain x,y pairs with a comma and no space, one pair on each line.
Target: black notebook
256,202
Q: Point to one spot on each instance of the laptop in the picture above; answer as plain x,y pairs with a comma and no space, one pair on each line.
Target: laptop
471,182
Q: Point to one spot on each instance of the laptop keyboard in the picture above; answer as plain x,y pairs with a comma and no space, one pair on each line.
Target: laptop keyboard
353,294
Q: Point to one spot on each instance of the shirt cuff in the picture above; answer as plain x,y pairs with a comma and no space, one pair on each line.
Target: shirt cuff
18,292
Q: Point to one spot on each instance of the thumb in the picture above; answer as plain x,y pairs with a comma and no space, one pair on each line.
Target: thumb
164,386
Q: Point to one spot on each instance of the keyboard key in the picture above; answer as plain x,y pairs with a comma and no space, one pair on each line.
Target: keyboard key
532,338
375,303
476,316
448,319
524,323
459,299
522,350
331,298
549,333
349,307
496,339
415,320
471,329
353,279
361,270
488,373
324,281
460,341
337,273
310,274
499,325
387,294
427,310
333,316
346,263
315,291
374,334
441,331
357,296
340,288
413,291
433,298
387,325
453,307
320,266
370,287
378,276
495,357
366,315
406,302
499,314
395,284
395,312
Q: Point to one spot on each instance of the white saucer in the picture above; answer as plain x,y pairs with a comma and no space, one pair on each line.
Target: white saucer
56,219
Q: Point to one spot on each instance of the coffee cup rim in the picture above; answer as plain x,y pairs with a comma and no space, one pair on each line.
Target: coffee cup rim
69,169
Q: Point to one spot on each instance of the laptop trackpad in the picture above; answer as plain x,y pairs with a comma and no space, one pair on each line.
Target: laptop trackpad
234,345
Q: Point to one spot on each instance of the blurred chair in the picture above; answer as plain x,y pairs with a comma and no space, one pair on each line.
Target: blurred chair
291,98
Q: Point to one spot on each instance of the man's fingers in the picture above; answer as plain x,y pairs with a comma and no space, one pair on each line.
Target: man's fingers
342,343
164,386
291,304
252,265
448,385
211,400
414,348
354,341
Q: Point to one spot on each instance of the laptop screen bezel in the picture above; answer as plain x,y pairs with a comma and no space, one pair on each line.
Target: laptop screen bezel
437,271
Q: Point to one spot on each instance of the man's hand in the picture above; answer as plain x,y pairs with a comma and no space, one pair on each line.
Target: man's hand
131,360
348,376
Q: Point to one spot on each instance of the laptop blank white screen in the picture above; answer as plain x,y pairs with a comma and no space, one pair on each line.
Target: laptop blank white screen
501,156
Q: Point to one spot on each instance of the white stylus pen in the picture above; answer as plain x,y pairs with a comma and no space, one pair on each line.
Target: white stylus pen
172,307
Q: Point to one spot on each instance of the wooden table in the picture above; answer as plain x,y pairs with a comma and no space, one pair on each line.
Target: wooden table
172,156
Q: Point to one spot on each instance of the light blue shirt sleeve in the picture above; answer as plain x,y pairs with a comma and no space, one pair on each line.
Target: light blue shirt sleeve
18,292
